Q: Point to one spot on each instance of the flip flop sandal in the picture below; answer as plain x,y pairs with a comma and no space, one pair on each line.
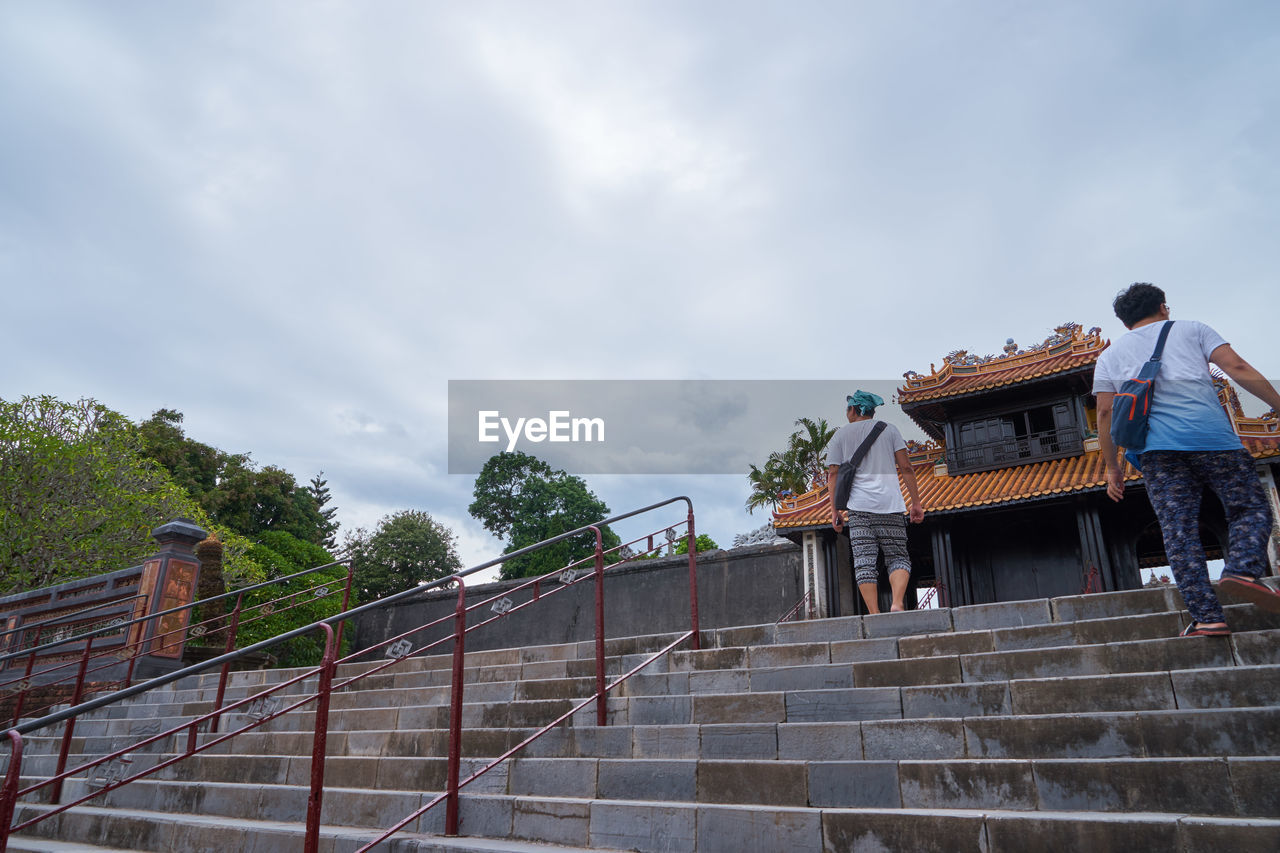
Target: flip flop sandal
1193,630
1251,590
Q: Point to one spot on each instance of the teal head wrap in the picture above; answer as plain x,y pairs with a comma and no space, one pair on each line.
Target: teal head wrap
865,402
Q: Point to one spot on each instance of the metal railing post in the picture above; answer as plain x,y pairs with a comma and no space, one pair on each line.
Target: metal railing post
55,795
455,711
232,630
9,793
693,583
602,715
320,741
346,600
26,678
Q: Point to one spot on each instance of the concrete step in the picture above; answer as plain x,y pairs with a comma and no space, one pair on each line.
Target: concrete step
1168,654
111,829
1186,690
19,844
654,827
1236,786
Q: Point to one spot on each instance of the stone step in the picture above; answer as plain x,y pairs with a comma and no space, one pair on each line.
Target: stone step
1253,686
389,760
143,830
431,685
655,827
19,844
1168,654
1236,786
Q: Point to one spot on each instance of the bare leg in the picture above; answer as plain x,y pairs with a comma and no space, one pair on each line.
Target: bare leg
871,595
898,583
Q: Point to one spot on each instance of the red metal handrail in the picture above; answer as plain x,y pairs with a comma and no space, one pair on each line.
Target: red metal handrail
451,794
10,792
1092,581
131,649
791,614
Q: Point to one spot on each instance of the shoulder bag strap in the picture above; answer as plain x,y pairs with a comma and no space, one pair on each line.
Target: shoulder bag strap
1164,336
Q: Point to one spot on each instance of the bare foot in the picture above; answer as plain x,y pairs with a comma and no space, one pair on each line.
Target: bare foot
896,608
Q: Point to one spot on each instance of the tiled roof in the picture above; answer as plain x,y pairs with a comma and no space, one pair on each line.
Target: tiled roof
1069,349
963,492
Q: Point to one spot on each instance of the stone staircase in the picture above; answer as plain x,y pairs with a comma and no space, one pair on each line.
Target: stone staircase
1067,724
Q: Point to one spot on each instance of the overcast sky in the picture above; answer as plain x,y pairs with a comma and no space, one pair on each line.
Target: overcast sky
295,222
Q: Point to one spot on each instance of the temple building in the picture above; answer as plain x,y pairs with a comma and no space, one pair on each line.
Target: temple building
1013,486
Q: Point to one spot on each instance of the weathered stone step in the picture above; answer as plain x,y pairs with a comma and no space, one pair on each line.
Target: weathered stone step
19,844
1170,654
1240,786
143,830
654,827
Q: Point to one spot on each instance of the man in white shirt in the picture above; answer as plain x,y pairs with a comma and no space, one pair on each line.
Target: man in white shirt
876,520
1190,444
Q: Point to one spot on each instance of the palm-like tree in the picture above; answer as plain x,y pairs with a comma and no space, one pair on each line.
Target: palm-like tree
798,468
809,443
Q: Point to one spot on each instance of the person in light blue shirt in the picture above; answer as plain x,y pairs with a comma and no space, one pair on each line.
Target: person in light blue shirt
1190,444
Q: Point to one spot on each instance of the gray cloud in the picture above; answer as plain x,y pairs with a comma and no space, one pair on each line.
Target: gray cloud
273,216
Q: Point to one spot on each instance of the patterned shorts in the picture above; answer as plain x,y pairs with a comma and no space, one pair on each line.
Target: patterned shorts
873,532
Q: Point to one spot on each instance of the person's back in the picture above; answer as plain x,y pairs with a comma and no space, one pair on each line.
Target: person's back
876,520
1189,446
875,485
1185,411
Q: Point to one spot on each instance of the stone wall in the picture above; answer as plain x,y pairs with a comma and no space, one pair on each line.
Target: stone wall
745,586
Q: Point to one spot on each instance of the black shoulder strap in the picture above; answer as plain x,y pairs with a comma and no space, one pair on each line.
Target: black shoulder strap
866,443
1164,336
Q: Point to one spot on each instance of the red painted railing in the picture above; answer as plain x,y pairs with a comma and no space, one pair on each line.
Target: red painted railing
74,670
265,705
938,589
794,611
1092,581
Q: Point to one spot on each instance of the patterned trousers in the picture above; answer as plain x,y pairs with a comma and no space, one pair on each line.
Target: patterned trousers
1175,482
872,532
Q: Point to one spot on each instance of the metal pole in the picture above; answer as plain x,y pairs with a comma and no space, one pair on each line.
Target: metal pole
9,794
346,600
693,583
602,716
319,742
455,712
232,631
26,678
55,795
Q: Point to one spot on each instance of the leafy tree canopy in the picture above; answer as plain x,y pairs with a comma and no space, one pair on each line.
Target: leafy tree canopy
295,603
705,543
77,495
523,500
230,489
407,548
796,469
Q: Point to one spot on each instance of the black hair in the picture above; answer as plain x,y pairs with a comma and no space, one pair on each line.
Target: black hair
1137,302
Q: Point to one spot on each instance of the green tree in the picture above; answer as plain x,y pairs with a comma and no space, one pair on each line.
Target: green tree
77,495
521,499
705,543
230,488
407,548
797,469
192,465
293,603
319,491
500,490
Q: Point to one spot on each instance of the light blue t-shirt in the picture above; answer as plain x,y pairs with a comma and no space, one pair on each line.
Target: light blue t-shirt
1185,411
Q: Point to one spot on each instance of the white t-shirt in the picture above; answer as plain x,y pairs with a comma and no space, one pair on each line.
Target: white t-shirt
1185,412
875,485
